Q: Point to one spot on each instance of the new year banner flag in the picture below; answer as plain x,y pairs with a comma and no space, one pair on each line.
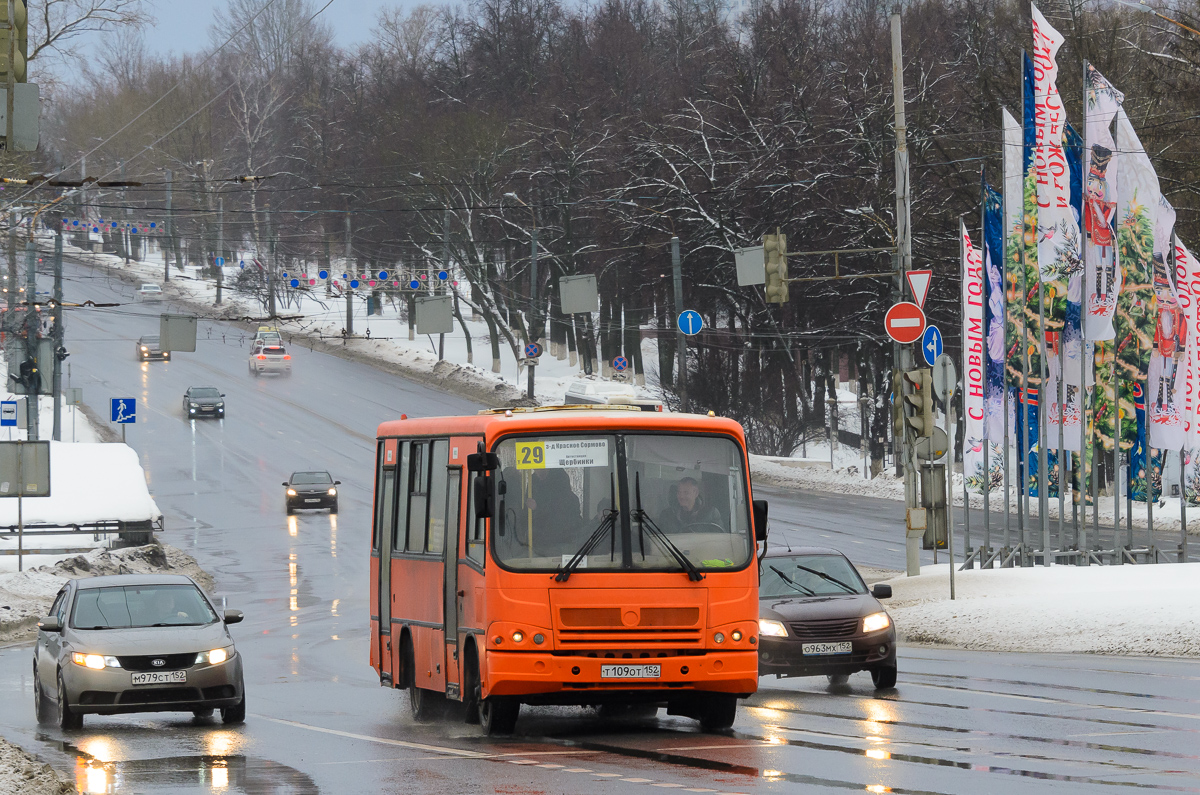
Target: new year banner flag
1187,275
1065,354
1100,205
973,361
1058,229
1165,387
993,259
1014,262
1033,339
1122,370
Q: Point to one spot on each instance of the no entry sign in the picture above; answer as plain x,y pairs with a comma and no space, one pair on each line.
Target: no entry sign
904,322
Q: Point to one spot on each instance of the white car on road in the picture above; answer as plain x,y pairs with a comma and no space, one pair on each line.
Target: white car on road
269,357
149,292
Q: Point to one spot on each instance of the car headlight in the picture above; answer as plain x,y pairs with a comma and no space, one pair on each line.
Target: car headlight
333,492
97,662
291,492
214,657
195,405
876,622
144,349
771,629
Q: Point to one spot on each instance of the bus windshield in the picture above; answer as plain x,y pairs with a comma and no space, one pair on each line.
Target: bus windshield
648,497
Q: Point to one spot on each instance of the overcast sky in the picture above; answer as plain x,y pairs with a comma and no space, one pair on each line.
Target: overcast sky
183,24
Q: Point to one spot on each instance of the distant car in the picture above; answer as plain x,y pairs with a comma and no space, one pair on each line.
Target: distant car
203,401
136,643
817,618
311,490
148,348
269,358
268,335
149,292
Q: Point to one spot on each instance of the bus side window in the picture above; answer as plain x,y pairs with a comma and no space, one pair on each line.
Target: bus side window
400,525
418,497
475,527
454,505
378,494
437,496
384,518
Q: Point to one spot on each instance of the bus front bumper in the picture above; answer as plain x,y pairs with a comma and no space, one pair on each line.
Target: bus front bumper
551,679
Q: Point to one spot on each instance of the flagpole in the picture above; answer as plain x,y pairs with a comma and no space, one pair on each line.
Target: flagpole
1081,525
987,470
1116,386
1023,453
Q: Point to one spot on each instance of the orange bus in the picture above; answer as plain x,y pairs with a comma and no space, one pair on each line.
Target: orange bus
566,555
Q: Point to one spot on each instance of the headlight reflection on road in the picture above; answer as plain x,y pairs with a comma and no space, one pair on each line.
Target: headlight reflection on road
878,788
220,776
98,749
877,753
293,526
879,715
91,777
333,535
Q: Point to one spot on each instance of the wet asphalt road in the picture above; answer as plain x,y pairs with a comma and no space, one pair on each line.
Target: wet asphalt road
958,721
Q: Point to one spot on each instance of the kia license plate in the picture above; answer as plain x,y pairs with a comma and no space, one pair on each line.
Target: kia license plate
630,671
159,677
842,647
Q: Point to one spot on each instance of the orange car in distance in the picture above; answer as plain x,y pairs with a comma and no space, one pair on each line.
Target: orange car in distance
566,555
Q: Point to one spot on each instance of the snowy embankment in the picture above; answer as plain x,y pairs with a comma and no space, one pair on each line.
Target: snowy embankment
1144,610
25,596
23,772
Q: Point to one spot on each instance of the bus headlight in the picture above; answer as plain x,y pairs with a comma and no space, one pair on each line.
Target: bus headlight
518,636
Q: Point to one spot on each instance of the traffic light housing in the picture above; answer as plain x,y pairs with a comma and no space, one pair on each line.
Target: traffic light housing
20,27
29,377
775,252
917,400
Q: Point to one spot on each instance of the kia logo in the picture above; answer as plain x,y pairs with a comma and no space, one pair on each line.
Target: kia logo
158,663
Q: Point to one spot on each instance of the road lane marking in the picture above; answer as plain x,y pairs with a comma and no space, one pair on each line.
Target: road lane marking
437,749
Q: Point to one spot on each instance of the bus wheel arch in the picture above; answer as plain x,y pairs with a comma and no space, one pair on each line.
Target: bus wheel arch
472,681
405,664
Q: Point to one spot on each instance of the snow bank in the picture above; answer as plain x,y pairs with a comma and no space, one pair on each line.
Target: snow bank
88,483
1146,609
24,773
25,596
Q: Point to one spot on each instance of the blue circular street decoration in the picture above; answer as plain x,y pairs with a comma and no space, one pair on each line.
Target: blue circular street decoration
114,224
344,276
295,282
414,284
690,322
219,261
383,274
154,225
354,283
620,364
533,350
443,275
285,274
931,344
134,230
324,274
95,229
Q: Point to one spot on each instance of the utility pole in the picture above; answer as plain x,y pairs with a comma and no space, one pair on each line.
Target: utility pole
58,331
270,267
533,300
12,74
83,205
680,338
125,237
218,263
12,260
349,275
445,267
170,233
32,328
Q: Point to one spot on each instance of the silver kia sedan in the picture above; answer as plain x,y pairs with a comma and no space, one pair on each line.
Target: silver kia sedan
136,643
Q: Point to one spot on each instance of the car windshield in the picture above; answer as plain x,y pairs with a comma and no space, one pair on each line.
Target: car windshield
205,392
680,497
311,479
801,575
149,340
151,288
130,606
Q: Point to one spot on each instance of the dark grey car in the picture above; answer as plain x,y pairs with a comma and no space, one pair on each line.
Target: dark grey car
816,617
311,490
148,348
203,401
136,643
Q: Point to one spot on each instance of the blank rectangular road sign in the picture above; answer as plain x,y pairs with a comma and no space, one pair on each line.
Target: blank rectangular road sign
24,469
751,266
435,314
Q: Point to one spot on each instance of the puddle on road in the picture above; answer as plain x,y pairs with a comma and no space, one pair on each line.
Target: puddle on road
215,773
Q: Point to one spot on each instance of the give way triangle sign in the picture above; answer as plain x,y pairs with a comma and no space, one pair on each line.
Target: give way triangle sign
918,282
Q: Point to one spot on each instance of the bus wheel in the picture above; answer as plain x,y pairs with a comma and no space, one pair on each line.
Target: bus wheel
717,712
473,687
424,703
498,715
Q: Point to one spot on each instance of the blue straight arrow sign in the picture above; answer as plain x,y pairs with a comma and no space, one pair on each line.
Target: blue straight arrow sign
690,322
931,344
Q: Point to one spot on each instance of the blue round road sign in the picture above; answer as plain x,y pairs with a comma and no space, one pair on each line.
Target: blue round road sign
690,322
620,364
219,261
931,344
533,350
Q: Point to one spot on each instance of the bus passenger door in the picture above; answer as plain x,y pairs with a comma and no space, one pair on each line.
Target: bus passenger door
385,519
453,603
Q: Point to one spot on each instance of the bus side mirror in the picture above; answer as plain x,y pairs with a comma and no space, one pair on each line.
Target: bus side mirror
760,520
483,496
483,462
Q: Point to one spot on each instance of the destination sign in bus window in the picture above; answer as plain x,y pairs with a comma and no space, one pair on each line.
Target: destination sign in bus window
562,454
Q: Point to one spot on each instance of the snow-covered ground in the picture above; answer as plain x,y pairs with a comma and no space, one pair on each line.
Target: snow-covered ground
1145,609
22,772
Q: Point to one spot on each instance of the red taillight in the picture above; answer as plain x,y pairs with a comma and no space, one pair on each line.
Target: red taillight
260,356
287,356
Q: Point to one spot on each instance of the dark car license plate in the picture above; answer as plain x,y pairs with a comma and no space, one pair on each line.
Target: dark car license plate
841,647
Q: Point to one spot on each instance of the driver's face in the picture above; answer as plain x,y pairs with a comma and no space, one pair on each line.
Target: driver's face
688,492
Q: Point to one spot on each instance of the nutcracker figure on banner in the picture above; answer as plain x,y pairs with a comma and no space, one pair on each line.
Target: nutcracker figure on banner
1099,217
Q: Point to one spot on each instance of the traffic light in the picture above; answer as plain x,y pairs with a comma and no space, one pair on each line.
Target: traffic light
29,377
917,400
19,26
775,249
61,353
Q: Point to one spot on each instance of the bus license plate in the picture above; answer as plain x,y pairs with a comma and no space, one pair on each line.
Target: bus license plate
159,677
630,671
843,647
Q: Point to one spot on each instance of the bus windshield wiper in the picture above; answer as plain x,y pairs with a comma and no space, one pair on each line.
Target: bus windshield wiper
825,576
793,583
646,523
607,525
